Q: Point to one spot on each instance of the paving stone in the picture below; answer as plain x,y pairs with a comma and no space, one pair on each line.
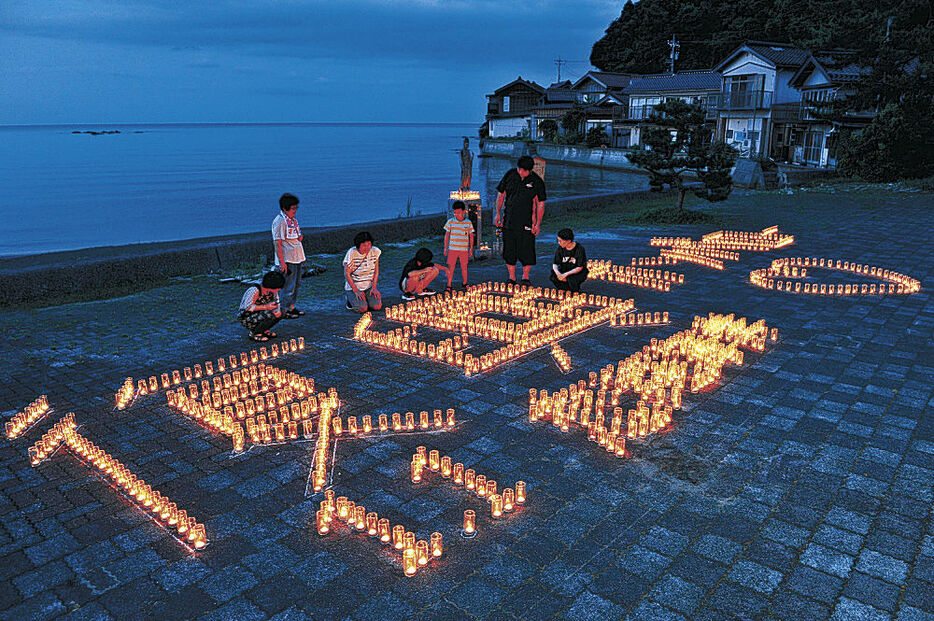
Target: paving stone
882,566
851,609
797,487
590,606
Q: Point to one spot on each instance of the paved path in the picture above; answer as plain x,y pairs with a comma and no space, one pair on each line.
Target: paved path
800,487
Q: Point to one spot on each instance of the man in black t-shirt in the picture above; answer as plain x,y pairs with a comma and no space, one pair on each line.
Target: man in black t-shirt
569,269
522,192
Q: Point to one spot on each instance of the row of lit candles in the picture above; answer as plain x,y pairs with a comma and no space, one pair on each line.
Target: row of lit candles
692,257
187,374
253,379
438,420
319,461
711,342
762,281
524,337
455,473
125,394
264,428
415,554
561,357
160,508
728,328
603,266
30,415
245,401
898,283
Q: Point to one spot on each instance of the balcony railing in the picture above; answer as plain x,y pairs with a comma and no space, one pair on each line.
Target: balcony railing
745,100
643,112
786,113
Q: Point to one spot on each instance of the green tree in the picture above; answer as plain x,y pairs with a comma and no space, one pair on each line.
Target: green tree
596,136
679,142
549,129
572,123
896,145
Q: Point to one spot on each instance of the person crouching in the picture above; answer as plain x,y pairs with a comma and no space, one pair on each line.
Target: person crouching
418,274
259,307
569,269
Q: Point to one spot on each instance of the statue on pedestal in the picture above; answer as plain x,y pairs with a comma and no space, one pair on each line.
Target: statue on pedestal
466,164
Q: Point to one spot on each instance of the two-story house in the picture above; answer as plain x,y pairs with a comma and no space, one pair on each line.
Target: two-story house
647,91
509,109
756,94
810,137
558,98
603,94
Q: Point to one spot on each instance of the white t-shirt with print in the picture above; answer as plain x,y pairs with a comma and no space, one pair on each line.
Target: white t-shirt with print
288,231
362,267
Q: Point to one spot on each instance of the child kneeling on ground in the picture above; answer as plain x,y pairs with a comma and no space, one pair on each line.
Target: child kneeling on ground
259,307
569,269
361,273
418,274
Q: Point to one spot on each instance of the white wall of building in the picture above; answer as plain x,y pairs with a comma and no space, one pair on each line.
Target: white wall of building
784,92
508,127
748,63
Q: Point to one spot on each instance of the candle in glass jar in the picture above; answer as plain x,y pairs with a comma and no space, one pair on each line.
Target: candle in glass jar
470,523
520,492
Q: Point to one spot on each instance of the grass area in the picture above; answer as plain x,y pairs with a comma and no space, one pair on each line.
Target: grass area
670,215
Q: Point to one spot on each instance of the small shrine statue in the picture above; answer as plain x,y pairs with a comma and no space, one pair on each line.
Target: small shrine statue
466,164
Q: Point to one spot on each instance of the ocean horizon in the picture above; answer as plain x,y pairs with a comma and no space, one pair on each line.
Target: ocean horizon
152,182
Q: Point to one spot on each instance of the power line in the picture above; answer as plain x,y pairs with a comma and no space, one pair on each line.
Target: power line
559,61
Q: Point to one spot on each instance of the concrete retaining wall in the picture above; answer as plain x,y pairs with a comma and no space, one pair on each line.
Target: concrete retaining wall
599,158
92,272
513,149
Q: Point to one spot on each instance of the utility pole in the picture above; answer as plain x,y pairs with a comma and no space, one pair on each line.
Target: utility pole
560,61
675,46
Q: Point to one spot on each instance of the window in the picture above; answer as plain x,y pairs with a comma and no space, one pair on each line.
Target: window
813,144
506,103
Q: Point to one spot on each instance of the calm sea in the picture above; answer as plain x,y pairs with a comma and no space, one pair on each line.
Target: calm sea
63,191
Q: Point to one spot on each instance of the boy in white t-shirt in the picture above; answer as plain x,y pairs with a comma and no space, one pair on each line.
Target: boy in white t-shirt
361,273
287,237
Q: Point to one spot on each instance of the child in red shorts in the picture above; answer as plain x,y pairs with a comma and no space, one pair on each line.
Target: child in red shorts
458,241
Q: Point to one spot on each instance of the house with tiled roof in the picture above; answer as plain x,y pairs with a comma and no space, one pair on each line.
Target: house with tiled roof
644,92
509,108
809,138
755,93
772,97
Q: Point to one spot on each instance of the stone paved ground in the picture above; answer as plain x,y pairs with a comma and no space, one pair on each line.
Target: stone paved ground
801,487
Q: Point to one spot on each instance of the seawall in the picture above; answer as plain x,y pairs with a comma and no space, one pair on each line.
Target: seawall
34,278
609,158
744,173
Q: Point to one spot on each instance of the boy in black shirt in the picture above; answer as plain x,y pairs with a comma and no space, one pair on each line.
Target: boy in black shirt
569,270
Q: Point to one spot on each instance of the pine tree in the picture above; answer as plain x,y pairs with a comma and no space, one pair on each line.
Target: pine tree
680,142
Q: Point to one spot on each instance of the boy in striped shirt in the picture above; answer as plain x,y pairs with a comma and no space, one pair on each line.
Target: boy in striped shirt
458,241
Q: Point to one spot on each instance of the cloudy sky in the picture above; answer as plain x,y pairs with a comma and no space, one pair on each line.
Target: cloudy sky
124,61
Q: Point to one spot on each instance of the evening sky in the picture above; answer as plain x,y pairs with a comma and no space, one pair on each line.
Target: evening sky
127,61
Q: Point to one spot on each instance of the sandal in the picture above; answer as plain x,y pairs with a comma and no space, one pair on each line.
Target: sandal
269,334
259,338
294,312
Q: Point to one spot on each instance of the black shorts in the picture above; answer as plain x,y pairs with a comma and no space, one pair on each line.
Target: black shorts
518,246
